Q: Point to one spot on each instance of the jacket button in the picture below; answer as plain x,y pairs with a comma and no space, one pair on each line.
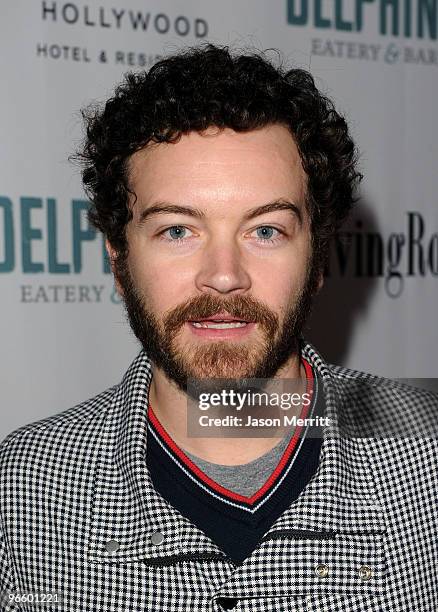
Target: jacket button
228,603
321,570
365,572
157,538
112,546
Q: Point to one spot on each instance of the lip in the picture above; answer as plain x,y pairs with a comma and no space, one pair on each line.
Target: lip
222,334
219,317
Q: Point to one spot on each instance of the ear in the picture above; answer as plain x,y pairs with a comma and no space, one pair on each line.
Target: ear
320,283
112,255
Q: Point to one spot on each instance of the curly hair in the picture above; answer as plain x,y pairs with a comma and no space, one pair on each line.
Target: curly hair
206,86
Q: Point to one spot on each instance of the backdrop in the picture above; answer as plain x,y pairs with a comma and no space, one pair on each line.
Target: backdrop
63,332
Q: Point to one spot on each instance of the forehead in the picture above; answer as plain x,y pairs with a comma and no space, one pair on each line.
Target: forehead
220,165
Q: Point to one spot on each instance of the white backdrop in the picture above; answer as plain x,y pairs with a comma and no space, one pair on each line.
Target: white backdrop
64,336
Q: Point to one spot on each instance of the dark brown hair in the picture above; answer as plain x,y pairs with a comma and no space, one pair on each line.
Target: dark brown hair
207,86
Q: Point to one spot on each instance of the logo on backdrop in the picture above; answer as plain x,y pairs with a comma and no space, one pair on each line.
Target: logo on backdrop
90,18
34,245
409,253
383,19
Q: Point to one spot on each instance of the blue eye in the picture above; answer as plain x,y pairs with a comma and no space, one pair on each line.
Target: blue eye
265,231
177,231
176,235
266,234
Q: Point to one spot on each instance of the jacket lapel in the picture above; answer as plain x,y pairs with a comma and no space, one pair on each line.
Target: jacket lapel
126,508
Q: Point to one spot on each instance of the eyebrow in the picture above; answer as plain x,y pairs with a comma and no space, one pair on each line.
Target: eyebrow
160,208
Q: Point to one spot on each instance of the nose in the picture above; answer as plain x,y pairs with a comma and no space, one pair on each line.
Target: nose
222,269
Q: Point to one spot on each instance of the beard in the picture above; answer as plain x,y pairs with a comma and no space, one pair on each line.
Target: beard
221,359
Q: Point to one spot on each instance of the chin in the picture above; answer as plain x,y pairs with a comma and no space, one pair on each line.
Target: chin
218,359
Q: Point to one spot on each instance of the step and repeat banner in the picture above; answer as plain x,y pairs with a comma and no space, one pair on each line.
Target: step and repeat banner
64,336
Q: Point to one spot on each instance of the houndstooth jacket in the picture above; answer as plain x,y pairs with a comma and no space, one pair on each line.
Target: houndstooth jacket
83,528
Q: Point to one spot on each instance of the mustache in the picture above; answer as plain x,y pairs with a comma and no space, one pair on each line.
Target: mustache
204,306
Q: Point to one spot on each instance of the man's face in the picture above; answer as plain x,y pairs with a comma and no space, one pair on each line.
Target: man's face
227,260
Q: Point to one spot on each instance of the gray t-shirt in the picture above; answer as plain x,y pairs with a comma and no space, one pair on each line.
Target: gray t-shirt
247,478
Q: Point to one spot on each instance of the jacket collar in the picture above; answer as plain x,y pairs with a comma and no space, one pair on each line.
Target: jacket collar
127,508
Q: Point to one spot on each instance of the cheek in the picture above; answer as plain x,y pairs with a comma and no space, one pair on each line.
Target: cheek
283,276
162,285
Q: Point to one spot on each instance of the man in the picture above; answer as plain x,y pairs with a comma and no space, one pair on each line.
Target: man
218,181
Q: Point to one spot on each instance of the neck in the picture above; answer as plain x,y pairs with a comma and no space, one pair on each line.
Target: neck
169,404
